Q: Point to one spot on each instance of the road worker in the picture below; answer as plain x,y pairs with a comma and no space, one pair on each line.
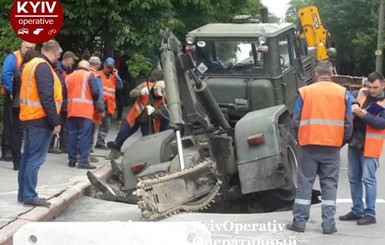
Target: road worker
63,69
147,113
322,125
365,148
111,81
40,103
82,91
9,138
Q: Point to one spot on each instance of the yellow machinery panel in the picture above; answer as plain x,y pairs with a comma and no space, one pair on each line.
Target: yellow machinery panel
313,31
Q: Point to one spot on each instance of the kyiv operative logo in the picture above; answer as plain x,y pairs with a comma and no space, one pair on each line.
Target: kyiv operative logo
36,21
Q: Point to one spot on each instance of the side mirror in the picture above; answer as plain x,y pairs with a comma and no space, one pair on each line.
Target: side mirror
332,52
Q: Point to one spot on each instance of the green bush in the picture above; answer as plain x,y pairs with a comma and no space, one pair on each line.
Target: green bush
8,43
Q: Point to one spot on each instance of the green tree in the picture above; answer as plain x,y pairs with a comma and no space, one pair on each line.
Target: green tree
101,26
8,39
134,26
292,11
353,23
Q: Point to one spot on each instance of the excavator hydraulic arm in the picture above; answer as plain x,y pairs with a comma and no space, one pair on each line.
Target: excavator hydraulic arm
313,31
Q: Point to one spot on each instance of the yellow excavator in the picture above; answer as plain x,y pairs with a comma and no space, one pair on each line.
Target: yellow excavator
314,32
317,36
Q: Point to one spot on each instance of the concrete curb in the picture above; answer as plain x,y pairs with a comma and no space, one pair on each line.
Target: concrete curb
58,205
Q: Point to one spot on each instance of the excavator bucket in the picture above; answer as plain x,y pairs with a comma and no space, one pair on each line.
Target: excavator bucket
350,82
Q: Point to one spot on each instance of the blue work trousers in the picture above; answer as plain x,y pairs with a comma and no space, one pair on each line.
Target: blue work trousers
126,131
362,174
36,143
79,134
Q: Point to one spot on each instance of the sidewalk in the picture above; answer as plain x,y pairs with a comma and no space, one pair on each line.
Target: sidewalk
57,182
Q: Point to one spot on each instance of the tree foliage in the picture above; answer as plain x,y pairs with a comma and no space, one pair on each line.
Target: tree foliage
134,25
101,26
8,39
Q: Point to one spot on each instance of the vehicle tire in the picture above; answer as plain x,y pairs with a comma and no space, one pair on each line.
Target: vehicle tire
283,197
292,160
289,155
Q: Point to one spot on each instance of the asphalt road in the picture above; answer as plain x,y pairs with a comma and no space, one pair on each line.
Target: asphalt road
88,209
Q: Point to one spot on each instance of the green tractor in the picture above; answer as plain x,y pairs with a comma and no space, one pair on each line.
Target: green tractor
231,90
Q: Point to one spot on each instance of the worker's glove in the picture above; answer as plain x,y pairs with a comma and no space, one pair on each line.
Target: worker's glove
145,91
150,109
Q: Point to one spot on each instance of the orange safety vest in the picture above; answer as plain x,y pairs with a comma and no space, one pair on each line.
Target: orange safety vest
374,138
109,86
64,74
30,106
80,101
323,114
140,105
97,117
19,60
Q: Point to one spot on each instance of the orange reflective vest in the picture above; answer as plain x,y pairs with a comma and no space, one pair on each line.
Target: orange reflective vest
323,114
97,117
374,138
109,86
80,101
64,74
140,105
19,60
30,106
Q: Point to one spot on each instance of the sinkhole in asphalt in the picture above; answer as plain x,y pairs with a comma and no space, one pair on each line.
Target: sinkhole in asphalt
261,202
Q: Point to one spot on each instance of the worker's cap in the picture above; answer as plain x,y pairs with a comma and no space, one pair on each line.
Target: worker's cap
69,54
94,60
110,62
159,84
159,87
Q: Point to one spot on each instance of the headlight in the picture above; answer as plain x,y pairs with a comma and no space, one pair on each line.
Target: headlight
190,39
262,40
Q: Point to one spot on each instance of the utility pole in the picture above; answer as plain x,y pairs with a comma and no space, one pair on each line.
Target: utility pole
380,37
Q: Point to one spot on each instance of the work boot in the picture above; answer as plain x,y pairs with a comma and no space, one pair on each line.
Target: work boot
6,158
113,146
93,159
349,216
64,150
102,147
366,220
38,202
114,154
294,228
54,150
331,231
86,166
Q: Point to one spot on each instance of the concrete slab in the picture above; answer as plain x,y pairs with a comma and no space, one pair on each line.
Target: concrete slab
117,233
257,228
